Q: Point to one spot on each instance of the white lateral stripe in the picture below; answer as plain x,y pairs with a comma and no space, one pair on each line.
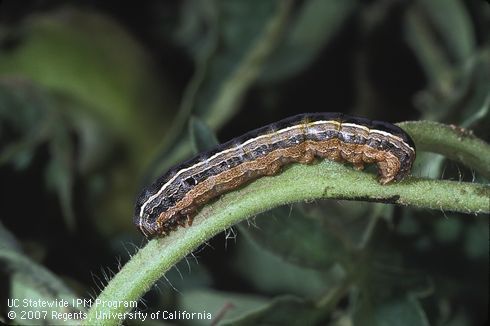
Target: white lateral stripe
240,146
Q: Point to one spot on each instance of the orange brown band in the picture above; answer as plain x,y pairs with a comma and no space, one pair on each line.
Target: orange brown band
173,199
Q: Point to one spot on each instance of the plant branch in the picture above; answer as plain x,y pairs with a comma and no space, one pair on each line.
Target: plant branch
326,180
453,142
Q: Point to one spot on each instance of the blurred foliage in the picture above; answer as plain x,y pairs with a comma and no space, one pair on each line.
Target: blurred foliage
96,99
27,279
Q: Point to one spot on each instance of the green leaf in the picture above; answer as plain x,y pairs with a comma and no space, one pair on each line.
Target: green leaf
284,310
465,98
188,275
386,288
398,311
28,112
239,309
24,120
28,280
264,276
452,21
244,46
231,35
88,57
7,240
95,144
474,97
297,237
228,66
441,35
316,23
317,235
223,306
94,69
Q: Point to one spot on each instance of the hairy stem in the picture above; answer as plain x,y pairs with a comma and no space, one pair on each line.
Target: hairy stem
453,142
325,180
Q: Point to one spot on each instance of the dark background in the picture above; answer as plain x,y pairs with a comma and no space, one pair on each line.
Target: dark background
121,73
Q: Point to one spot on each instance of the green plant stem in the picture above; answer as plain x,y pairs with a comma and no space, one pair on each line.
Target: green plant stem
325,180
297,183
453,142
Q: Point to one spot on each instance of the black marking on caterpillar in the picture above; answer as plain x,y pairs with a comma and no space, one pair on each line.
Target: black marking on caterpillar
174,198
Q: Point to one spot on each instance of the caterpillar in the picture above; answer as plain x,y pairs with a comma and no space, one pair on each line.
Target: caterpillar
175,197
